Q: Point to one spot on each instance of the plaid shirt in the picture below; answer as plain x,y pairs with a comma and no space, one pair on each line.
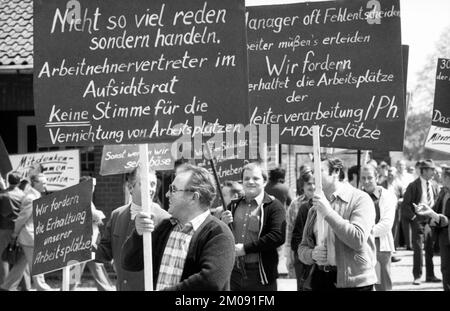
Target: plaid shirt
175,252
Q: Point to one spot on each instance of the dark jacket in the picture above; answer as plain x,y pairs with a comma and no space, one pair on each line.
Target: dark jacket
412,195
272,234
442,227
299,225
209,261
10,202
280,191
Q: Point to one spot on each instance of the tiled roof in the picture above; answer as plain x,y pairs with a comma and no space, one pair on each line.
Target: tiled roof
16,32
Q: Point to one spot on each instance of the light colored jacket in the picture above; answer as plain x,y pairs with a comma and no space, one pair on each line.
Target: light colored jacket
354,244
383,229
24,227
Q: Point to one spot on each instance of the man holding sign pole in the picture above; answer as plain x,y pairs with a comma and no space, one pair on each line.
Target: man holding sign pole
193,250
347,260
119,228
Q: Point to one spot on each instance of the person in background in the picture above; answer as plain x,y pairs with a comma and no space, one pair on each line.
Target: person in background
10,200
302,271
422,190
382,172
97,269
277,187
258,223
403,179
353,175
121,225
24,231
291,216
231,190
439,216
193,250
385,205
347,259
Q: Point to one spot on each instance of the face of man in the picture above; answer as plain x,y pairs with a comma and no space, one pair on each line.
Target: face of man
391,175
327,178
368,180
401,167
428,173
309,188
41,184
135,188
253,182
179,196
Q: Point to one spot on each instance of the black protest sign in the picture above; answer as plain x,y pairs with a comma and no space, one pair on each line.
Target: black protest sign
441,109
140,71
438,138
62,228
334,64
5,163
120,159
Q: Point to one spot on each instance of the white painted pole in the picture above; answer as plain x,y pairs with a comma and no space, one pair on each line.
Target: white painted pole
66,279
145,195
318,182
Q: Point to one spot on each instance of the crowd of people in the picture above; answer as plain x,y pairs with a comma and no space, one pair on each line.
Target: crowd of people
341,238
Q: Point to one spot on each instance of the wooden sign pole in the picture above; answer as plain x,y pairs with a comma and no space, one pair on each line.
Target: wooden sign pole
216,177
145,199
318,182
66,279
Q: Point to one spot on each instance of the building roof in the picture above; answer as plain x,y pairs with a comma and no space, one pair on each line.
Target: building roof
16,33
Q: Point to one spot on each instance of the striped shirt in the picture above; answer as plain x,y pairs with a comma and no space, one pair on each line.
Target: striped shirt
176,250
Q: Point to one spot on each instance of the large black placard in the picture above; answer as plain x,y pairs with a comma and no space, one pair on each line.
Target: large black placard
441,110
138,71
335,64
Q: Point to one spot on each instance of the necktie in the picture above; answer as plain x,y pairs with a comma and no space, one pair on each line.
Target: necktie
429,200
377,207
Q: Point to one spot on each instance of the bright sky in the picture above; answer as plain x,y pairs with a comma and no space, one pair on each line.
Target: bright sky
422,24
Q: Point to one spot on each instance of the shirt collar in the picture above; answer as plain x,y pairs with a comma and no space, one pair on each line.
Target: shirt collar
423,181
259,198
343,191
195,223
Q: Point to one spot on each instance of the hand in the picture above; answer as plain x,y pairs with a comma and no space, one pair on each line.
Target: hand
226,217
319,255
423,210
144,223
239,249
321,204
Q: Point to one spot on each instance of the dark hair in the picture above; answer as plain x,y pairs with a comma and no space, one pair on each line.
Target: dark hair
336,165
305,177
13,178
418,164
383,164
235,188
202,182
252,166
277,174
180,162
354,170
23,184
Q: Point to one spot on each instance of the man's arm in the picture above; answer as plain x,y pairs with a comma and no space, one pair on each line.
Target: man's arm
216,260
388,203
304,250
407,204
275,235
25,213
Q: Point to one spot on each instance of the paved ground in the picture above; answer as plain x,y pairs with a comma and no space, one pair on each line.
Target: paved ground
401,276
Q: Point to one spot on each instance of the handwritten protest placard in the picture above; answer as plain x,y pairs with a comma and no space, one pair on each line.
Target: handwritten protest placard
5,163
120,159
62,168
141,71
439,134
62,228
336,64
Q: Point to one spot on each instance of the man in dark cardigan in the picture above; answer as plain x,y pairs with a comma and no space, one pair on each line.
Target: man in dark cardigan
192,250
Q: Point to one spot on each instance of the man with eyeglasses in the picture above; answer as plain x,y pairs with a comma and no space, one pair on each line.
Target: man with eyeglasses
193,250
120,226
